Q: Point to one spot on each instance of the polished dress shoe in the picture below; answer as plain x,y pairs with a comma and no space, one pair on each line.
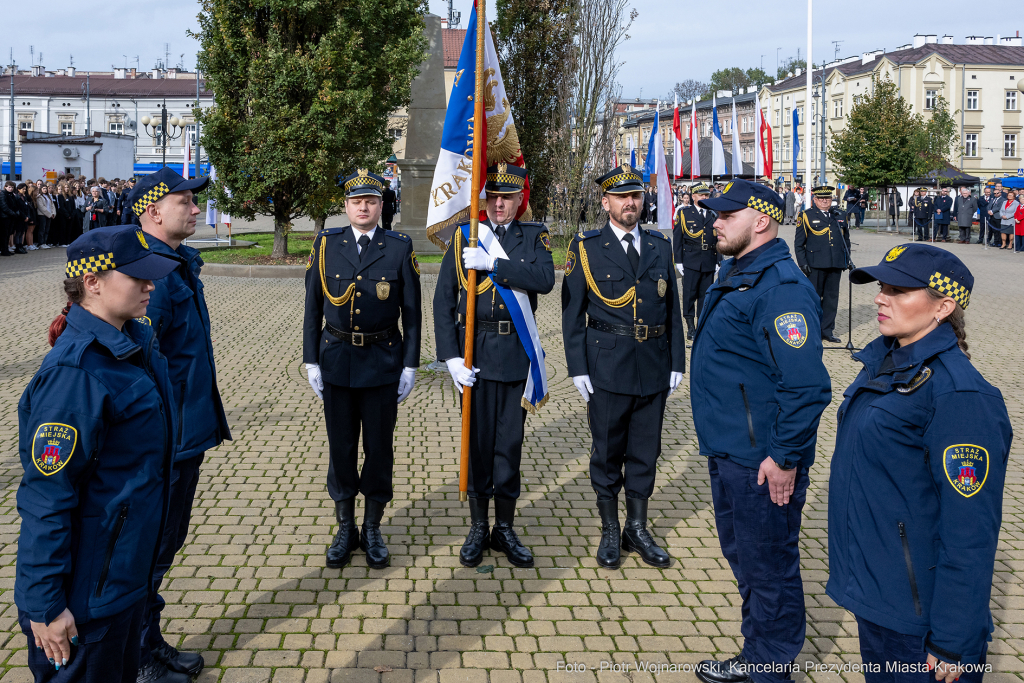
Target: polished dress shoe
155,672
479,537
611,534
635,536
370,538
347,537
503,536
190,663
832,339
733,670
689,329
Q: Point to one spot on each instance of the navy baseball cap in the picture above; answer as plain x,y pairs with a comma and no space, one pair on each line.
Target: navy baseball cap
921,265
742,194
151,188
123,248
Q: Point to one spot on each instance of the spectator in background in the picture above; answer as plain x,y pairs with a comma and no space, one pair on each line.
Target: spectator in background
983,214
44,217
895,202
389,207
852,199
1008,222
964,209
685,199
790,198
28,209
10,217
95,206
1018,231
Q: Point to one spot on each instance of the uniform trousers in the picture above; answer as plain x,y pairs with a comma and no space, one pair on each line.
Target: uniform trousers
386,221
496,439
184,480
107,650
922,228
881,648
626,433
826,284
695,285
760,540
374,410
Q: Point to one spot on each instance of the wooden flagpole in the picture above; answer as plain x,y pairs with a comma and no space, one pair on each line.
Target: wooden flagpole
479,164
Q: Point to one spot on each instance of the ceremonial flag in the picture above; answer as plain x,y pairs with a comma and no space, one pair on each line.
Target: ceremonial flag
677,141
694,141
450,191
717,148
632,151
796,141
657,167
762,154
188,158
737,156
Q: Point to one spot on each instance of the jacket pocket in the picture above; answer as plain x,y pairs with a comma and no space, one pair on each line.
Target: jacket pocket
181,412
768,341
910,568
750,418
111,546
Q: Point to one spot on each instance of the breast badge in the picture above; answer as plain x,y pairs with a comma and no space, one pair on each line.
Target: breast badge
383,290
52,446
662,287
792,329
966,468
570,261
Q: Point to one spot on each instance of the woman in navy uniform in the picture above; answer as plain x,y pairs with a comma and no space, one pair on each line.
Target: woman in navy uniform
916,483
96,444
694,240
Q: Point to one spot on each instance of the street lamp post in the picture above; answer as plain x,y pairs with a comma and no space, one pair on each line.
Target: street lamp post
165,136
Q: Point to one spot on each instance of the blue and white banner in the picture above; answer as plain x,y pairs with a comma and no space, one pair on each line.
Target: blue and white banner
737,155
717,149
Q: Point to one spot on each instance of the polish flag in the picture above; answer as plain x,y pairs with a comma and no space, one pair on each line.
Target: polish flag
694,140
762,150
677,142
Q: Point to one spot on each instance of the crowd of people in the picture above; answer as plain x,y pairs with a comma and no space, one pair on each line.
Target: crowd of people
44,214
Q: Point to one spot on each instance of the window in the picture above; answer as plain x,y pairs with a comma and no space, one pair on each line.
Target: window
785,150
776,118
26,125
929,98
190,136
67,128
837,109
395,133
1011,100
743,124
972,100
1010,145
775,151
787,119
115,127
971,145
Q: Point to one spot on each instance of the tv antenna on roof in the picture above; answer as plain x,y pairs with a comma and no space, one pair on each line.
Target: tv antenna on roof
454,16
837,44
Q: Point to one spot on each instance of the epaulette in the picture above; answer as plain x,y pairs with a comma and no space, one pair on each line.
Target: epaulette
658,233
398,236
588,234
333,231
533,224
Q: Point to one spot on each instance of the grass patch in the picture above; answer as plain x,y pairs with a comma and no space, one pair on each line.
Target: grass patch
299,244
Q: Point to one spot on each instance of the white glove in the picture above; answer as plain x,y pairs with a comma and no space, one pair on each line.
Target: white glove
463,376
476,258
674,380
584,386
316,379
679,267
405,383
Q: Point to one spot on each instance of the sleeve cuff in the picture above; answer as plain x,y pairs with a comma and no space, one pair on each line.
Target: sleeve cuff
942,653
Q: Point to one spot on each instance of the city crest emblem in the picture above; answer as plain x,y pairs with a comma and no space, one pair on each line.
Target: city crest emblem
792,329
894,253
142,239
966,467
52,446
570,261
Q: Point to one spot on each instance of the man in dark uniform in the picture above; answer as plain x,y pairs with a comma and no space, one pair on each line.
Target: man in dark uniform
943,215
922,207
626,354
390,208
758,388
362,280
822,248
521,262
852,199
127,215
693,238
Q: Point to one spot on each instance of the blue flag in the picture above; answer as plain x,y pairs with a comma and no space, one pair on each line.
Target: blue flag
796,139
649,168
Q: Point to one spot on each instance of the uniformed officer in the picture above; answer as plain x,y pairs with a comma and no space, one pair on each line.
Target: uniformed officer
693,238
916,481
163,204
362,280
96,443
822,248
626,354
922,208
758,387
943,215
499,406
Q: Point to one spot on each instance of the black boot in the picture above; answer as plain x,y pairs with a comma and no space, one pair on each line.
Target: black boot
155,672
636,537
479,533
190,663
608,551
371,540
689,329
347,537
733,670
503,536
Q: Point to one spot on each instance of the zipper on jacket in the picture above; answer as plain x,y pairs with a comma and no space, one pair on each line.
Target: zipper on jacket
910,568
118,526
750,420
181,410
768,340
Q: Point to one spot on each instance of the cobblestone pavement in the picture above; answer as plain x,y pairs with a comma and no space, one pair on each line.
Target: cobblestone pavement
250,590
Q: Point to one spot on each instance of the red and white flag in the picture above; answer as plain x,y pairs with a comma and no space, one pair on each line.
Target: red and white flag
677,142
694,141
765,162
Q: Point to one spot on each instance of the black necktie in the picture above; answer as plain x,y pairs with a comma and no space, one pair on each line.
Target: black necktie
631,253
364,242
500,232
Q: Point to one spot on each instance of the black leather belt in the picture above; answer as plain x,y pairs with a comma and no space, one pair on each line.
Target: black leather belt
499,326
361,338
638,332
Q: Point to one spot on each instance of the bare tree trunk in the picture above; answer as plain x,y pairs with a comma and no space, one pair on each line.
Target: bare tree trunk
318,224
282,227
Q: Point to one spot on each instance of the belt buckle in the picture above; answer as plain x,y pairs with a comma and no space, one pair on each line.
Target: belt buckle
640,336
357,339
504,327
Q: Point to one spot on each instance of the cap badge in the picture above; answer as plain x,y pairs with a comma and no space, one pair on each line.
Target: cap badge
727,188
363,172
626,168
502,167
142,239
894,253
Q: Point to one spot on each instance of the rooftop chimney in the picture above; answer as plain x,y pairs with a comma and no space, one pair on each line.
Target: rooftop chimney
1011,41
797,72
920,39
71,71
38,70
947,39
931,39
119,72
133,72
975,40
154,73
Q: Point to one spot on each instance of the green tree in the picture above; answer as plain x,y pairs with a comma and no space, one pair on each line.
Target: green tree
790,66
757,76
941,136
534,39
732,79
302,94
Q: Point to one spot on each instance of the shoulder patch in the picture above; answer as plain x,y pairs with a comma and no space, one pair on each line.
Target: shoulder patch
966,467
570,261
415,263
312,255
588,234
398,236
333,231
545,239
792,329
144,320
656,233
52,446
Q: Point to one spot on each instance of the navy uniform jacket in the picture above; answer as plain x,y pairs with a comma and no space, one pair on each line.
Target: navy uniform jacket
757,355
822,239
96,446
618,363
369,296
529,267
177,311
915,494
945,205
694,239
923,208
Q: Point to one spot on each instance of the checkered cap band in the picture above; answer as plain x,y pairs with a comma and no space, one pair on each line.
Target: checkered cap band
943,284
506,179
765,206
90,264
363,180
621,178
151,196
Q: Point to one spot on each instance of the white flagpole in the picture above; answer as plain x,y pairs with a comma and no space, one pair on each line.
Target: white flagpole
807,112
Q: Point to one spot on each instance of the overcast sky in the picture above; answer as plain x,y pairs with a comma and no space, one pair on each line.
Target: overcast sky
669,42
